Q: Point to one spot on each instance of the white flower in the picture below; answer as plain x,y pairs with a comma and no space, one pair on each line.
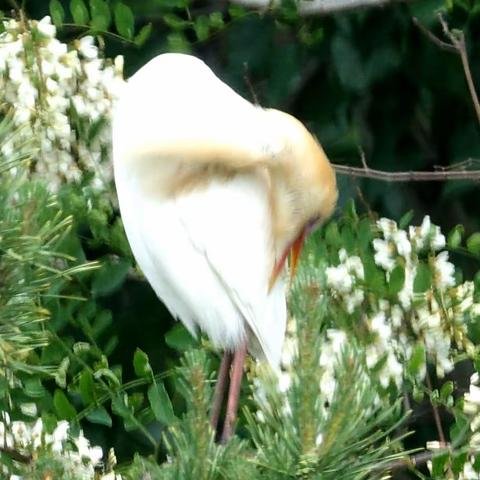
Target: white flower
29,409
46,28
87,48
387,227
404,247
353,300
339,279
67,76
22,434
379,325
444,271
383,254
472,400
284,381
425,227
396,316
438,239
355,266
60,435
406,294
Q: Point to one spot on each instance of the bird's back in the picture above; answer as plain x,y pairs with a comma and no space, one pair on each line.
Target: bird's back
206,248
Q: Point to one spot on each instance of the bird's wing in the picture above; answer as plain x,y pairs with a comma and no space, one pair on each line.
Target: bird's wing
207,254
229,224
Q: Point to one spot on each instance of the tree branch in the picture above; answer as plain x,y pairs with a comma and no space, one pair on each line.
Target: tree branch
410,176
457,45
457,37
317,7
16,455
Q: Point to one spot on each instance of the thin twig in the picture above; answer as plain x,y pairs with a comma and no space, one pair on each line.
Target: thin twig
436,414
413,461
433,38
16,455
410,176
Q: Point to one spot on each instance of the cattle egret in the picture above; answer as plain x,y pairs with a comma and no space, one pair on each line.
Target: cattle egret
214,193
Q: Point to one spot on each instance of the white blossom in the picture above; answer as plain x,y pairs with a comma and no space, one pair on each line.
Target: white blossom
387,227
444,271
384,254
52,96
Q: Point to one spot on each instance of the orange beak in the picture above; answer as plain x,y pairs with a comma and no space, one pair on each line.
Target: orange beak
295,249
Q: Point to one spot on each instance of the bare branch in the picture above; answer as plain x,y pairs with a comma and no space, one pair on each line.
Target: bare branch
411,176
433,38
317,7
413,461
16,455
436,414
457,37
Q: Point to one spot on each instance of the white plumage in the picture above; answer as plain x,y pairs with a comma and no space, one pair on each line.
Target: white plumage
208,251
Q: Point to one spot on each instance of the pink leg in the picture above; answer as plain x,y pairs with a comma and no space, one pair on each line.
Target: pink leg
234,392
220,388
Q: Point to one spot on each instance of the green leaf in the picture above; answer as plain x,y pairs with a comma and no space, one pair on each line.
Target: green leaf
124,20
79,12
397,280
141,364
374,277
202,27
101,17
365,233
236,11
458,461
65,410
446,390
348,238
417,359
61,373
216,20
143,35
439,463
459,429
86,386
177,42
100,416
423,278
473,243
179,338
33,388
332,235
121,408
455,237
57,12
110,276
405,220
174,21
161,404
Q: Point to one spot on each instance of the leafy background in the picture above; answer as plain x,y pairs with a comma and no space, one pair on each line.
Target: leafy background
363,81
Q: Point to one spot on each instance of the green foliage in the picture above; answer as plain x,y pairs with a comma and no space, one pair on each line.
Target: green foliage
92,346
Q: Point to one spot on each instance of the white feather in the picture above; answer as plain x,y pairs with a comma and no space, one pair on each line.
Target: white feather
207,253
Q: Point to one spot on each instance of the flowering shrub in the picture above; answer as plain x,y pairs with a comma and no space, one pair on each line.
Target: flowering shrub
62,96
72,454
378,307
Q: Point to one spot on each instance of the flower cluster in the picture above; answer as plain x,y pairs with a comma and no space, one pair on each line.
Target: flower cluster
426,306
471,407
31,440
60,95
345,280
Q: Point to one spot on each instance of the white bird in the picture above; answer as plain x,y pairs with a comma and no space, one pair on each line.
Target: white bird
214,192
